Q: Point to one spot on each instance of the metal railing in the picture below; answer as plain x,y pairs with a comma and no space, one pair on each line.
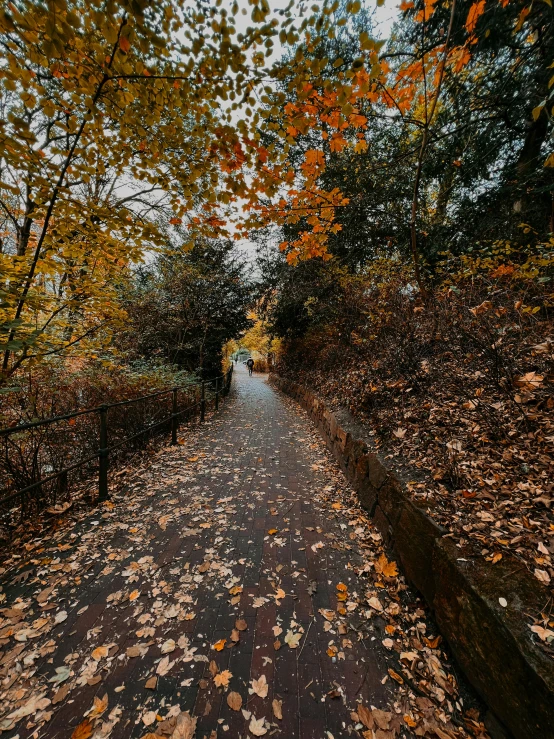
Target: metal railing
221,386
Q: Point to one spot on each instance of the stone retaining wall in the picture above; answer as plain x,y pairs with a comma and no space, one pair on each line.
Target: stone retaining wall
493,645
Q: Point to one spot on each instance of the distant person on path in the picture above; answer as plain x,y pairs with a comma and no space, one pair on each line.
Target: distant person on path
250,365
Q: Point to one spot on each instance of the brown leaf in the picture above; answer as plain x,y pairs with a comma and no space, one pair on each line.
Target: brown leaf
234,701
241,624
277,708
396,676
365,715
151,683
382,718
213,668
185,727
44,595
432,643
235,635
61,694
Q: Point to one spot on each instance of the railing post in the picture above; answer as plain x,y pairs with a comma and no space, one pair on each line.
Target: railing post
217,393
103,455
203,402
174,422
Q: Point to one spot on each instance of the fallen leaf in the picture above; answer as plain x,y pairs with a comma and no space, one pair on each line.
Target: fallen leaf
375,603
219,645
234,701
241,624
277,708
213,668
432,643
542,633
292,639
34,704
542,576
151,683
256,726
148,718
164,666
62,673
395,676
185,726
167,646
386,568
83,730
365,715
61,694
222,679
100,652
259,686
98,707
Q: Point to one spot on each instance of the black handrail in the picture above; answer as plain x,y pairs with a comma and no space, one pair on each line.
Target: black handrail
74,414
104,449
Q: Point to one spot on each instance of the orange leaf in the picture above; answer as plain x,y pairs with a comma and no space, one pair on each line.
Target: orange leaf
222,679
475,12
342,588
175,221
432,643
218,646
83,731
124,44
395,676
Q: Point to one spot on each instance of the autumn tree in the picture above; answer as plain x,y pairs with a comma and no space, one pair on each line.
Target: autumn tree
183,308
115,130
427,137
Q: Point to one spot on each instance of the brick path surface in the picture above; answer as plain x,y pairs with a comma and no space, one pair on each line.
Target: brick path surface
238,556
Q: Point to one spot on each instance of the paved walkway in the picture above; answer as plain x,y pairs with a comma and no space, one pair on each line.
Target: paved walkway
235,579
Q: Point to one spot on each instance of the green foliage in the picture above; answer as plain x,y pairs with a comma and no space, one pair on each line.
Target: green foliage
186,306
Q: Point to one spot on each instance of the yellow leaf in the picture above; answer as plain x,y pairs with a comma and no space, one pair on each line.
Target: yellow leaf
222,678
